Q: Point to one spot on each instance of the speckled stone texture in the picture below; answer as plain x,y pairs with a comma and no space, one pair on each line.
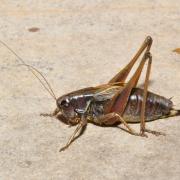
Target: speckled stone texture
78,44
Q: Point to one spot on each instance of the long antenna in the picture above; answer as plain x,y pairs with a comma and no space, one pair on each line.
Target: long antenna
50,89
33,70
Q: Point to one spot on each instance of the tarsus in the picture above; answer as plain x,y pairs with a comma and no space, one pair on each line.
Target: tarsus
32,69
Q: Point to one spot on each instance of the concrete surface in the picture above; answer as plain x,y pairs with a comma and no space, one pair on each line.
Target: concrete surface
78,44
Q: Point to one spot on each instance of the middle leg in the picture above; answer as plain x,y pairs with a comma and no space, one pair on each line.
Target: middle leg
112,118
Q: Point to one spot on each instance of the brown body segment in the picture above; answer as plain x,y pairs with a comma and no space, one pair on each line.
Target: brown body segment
156,106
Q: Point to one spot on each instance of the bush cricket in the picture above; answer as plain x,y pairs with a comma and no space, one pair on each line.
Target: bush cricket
117,102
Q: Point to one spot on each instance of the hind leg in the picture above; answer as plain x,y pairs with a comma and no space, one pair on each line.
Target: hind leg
143,108
156,133
120,99
122,75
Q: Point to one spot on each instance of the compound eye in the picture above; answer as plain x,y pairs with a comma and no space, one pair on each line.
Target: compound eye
64,103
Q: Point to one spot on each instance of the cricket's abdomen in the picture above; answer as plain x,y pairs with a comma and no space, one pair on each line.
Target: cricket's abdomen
156,106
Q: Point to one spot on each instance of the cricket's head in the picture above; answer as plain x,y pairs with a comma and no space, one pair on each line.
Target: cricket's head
67,109
73,105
